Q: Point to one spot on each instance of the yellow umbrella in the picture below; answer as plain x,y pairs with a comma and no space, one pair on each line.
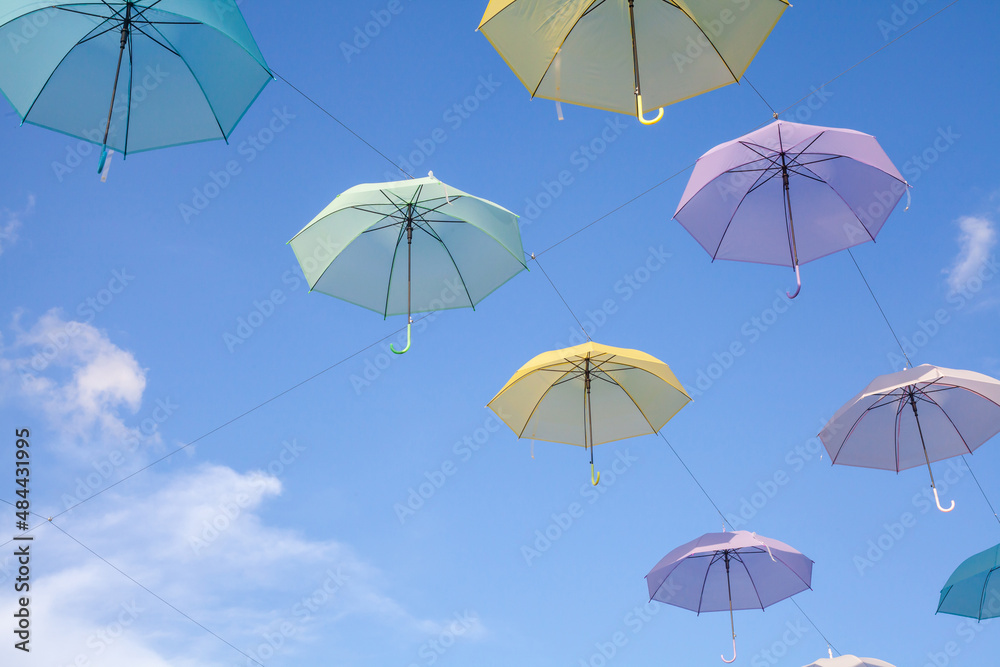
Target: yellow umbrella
589,52
589,395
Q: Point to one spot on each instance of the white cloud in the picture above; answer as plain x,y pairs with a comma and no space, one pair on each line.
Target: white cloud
11,222
197,536
84,384
977,240
199,541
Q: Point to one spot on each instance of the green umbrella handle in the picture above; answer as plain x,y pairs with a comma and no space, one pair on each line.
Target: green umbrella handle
407,348
643,120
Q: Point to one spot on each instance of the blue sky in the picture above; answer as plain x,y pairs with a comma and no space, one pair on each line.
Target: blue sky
281,530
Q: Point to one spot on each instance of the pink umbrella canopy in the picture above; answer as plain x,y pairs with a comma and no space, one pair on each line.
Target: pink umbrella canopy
720,571
849,661
914,417
789,193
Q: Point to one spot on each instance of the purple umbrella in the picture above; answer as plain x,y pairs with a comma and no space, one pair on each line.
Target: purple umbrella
789,193
720,571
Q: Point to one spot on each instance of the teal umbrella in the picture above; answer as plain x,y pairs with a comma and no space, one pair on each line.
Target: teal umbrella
130,76
972,590
409,247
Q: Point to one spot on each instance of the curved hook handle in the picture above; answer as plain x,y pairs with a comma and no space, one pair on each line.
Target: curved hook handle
594,480
938,501
638,108
407,348
798,283
734,653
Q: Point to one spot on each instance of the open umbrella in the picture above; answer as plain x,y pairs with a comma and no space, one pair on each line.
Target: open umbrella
589,395
972,590
849,661
720,571
130,76
409,247
590,52
788,193
913,417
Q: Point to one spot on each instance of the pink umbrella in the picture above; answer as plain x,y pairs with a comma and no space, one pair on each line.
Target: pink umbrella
720,571
789,193
914,417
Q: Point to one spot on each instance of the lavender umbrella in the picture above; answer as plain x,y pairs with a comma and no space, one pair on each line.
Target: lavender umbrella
911,418
789,193
720,571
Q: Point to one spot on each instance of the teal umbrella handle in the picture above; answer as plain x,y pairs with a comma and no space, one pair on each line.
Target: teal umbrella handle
104,158
407,348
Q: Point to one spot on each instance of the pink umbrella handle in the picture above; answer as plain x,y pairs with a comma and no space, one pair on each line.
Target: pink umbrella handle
938,501
734,653
798,281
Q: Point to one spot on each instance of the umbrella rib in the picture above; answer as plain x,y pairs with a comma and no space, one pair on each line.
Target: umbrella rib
653,429
430,232
128,109
948,417
534,409
739,559
704,582
194,76
593,6
733,216
982,599
736,79
898,429
392,267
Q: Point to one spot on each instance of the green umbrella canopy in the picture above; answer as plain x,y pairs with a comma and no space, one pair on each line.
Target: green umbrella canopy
972,590
357,249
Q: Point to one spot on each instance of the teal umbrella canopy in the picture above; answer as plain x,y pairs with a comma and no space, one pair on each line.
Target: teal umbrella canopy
973,590
132,76
409,247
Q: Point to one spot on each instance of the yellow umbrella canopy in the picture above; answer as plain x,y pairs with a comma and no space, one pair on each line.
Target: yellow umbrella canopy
589,395
607,54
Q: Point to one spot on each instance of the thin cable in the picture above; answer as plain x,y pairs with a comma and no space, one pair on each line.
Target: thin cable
795,602
615,210
909,364
724,519
582,328
981,489
234,419
768,104
126,575
873,54
341,123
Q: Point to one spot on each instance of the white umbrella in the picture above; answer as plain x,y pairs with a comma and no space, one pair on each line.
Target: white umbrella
849,661
911,418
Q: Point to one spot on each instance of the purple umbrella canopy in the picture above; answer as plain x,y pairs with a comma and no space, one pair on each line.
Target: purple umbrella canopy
720,571
914,417
789,193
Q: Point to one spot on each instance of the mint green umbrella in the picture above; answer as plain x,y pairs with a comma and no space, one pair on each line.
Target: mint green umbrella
409,247
130,75
972,590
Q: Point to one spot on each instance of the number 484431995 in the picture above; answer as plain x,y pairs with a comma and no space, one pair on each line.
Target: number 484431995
23,456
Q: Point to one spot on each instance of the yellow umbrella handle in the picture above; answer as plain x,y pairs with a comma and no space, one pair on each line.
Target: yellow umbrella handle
594,480
638,108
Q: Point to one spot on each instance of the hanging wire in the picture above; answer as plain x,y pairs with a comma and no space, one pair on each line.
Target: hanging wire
966,461
812,623
341,123
768,104
725,521
582,328
130,578
909,364
237,418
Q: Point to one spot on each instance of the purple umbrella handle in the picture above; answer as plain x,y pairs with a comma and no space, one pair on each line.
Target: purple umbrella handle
798,281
